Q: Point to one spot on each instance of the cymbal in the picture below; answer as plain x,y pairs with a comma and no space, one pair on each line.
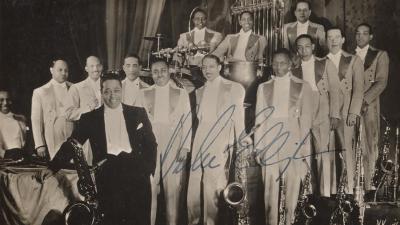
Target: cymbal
154,38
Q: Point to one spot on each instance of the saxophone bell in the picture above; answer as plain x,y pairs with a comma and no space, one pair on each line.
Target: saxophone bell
80,213
309,211
346,207
234,194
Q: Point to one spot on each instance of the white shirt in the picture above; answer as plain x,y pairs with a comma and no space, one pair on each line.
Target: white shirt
308,68
362,52
240,51
302,28
335,58
209,101
116,132
131,91
161,105
199,35
96,88
281,96
61,93
12,132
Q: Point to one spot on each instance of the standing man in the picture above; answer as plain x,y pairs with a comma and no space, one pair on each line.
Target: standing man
284,113
304,26
376,69
245,45
325,99
50,126
169,111
221,122
132,84
12,128
121,134
85,96
349,70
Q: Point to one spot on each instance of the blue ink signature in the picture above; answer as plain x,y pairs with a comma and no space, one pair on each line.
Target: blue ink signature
203,159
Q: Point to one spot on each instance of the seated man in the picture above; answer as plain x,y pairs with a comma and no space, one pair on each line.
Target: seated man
12,128
123,135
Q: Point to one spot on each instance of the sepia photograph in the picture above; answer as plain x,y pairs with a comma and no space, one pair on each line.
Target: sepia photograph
199,112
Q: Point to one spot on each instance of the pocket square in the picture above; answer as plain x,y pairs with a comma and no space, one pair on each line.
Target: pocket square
139,126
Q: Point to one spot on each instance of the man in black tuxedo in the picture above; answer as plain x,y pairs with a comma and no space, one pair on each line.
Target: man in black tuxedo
123,135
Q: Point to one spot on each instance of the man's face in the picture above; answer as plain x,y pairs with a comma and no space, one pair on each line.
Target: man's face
199,20
160,73
131,68
246,22
305,48
111,93
5,102
59,71
363,36
93,67
302,12
281,65
334,40
210,69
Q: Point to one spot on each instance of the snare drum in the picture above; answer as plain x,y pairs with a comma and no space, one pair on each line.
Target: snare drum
242,72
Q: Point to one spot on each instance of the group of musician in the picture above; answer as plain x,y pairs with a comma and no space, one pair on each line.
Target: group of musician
305,113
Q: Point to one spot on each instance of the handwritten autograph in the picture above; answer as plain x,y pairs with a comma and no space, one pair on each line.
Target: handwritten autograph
266,154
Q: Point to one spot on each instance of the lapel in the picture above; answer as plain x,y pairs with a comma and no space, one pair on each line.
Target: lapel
298,72
123,90
223,96
294,92
344,65
292,33
190,37
50,95
208,36
234,41
311,30
131,122
269,93
319,69
101,139
199,98
149,99
369,58
173,99
252,40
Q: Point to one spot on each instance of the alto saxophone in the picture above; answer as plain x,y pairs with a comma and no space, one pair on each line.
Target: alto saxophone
344,207
83,212
305,211
383,166
282,201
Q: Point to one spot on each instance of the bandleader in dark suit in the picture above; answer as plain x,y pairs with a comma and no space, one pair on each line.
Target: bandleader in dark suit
123,182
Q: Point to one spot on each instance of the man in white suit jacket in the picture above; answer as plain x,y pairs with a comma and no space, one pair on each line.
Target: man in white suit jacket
49,125
132,84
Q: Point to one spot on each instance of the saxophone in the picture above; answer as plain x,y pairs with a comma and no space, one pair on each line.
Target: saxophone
344,207
83,212
282,201
305,211
383,165
395,179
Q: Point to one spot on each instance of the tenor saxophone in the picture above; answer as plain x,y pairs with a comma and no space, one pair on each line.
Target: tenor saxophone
282,201
83,212
344,207
383,165
305,211
359,177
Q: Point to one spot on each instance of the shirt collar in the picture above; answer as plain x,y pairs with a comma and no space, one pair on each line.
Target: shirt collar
197,29
303,24
285,77
94,84
8,115
135,82
358,49
57,84
245,33
165,87
338,54
311,60
214,82
111,110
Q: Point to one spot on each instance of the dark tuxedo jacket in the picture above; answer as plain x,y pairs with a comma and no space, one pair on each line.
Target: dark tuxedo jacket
142,159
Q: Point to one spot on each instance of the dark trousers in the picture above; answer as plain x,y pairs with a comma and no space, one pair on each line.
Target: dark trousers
124,195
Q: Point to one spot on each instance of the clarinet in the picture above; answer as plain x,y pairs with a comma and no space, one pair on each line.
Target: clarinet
395,180
359,177
282,200
305,211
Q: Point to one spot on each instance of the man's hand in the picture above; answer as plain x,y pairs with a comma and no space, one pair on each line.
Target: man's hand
364,108
93,104
42,175
334,123
351,119
42,152
182,154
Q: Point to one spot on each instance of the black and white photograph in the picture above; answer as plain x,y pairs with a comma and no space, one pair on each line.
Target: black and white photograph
199,112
